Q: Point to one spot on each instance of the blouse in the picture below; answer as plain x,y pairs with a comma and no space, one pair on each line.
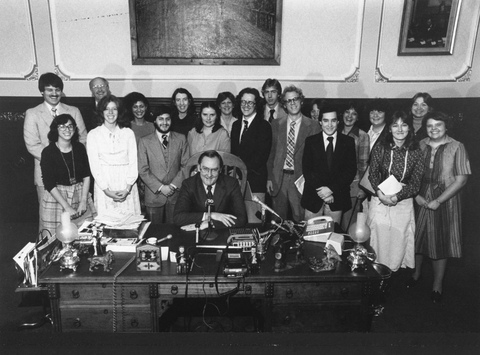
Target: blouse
412,174
142,131
58,168
218,140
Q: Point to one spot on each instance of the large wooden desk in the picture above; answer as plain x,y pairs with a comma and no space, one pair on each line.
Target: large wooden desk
127,300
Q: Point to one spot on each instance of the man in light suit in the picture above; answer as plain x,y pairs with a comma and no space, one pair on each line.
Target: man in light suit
37,125
271,91
285,160
251,140
210,184
161,157
328,175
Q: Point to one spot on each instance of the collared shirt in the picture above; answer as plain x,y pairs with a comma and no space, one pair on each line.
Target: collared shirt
160,136
266,116
206,190
373,136
249,120
325,140
50,107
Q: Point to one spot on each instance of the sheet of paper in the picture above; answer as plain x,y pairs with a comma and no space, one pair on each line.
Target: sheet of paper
390,186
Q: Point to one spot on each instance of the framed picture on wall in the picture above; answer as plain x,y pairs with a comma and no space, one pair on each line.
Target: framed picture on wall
428,27
205,32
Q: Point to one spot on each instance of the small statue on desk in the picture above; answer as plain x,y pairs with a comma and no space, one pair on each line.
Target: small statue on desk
67,257
181,260
105,260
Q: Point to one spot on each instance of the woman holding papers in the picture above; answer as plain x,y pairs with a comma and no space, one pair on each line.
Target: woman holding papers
396,170
66,175
112,152
439,216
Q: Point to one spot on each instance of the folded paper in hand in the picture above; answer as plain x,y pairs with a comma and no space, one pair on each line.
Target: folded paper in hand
390,186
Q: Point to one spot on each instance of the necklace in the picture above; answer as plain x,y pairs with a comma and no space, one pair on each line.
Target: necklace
73,181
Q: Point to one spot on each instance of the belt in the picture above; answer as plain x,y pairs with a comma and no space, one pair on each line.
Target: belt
288,171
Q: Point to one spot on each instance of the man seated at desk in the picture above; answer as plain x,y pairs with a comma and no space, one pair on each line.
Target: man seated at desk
228,209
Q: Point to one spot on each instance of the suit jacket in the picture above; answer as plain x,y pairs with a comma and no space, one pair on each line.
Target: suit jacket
155,171
317,173
278,153
36,127
253,150
190,205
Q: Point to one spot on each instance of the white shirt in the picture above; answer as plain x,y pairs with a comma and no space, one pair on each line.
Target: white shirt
267,112
325,140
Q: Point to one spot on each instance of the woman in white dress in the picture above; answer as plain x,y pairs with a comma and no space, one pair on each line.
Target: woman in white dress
112,153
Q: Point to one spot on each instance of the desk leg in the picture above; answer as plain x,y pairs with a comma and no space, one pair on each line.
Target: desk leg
153,290
54,295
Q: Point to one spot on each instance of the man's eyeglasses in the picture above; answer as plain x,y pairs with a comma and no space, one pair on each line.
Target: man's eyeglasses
63,127
292,101
208,171
96,87
247,103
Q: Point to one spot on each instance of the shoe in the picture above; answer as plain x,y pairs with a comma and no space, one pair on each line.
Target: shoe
436,297
411,282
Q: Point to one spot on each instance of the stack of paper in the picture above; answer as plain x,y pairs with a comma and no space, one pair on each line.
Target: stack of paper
119,219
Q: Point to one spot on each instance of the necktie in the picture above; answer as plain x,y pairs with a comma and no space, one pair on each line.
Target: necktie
54,112
165,141
245,129
271,118
330,152
290,146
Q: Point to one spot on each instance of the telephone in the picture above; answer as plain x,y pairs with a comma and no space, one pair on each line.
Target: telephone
318,229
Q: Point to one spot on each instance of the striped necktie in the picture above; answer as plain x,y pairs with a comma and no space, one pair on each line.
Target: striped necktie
164,141
290,146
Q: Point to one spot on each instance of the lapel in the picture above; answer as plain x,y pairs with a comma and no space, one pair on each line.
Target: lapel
303,132
157,150
248,139
202,194
282,139
46,115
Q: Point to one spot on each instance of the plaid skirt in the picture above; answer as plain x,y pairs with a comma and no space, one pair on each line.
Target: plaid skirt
52,210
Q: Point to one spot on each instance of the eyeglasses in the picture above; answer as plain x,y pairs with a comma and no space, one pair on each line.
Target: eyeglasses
247,103
96,87
292,101
208,171
63,127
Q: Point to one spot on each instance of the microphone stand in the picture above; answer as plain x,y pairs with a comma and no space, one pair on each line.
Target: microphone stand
210,234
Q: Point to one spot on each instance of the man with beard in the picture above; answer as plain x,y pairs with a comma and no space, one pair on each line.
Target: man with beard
161,157
37,125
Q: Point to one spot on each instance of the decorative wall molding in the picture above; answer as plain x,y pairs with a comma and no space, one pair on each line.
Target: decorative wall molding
354,77
21,39
460,65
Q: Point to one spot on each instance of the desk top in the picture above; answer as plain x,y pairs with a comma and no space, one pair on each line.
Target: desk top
124,266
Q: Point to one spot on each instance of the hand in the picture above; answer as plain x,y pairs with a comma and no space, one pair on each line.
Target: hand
361,194
329,199
270,187
167,190
433,205
82,208
324,192
421,201
226,219
73,213
386,200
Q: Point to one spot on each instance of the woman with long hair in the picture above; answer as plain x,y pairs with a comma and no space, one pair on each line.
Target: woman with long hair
112,152
183,111
391,215
208,133
138,111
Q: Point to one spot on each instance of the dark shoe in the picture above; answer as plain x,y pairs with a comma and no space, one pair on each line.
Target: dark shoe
436,297
411,282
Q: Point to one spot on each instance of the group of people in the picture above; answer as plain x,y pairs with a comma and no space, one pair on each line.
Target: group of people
302,166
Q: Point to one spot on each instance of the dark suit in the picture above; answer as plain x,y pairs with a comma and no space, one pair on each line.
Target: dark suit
317,173
253,150
227,197
276,162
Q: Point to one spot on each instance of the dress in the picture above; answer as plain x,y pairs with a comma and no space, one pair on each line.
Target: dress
55,173
218,140
438,233
113,162
393,228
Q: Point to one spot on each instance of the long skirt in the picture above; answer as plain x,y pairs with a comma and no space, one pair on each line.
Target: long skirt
52,210
392,233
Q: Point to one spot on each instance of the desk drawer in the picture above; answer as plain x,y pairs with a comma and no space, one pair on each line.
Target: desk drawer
79,294
294,318
316,292
100,319
202,289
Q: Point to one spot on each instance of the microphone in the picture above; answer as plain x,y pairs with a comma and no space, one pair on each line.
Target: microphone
273,223
209,203
167,237
265,207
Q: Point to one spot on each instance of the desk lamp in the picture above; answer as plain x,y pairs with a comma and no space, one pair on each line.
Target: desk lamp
67,232
359,231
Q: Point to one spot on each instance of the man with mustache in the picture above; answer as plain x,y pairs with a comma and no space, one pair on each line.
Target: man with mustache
161,157
37,125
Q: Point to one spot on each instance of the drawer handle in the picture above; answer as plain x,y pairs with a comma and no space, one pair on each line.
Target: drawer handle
105,311
289,293
287,320
174,290
248,290
77,323
134,323
344,291
75,294
133,294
